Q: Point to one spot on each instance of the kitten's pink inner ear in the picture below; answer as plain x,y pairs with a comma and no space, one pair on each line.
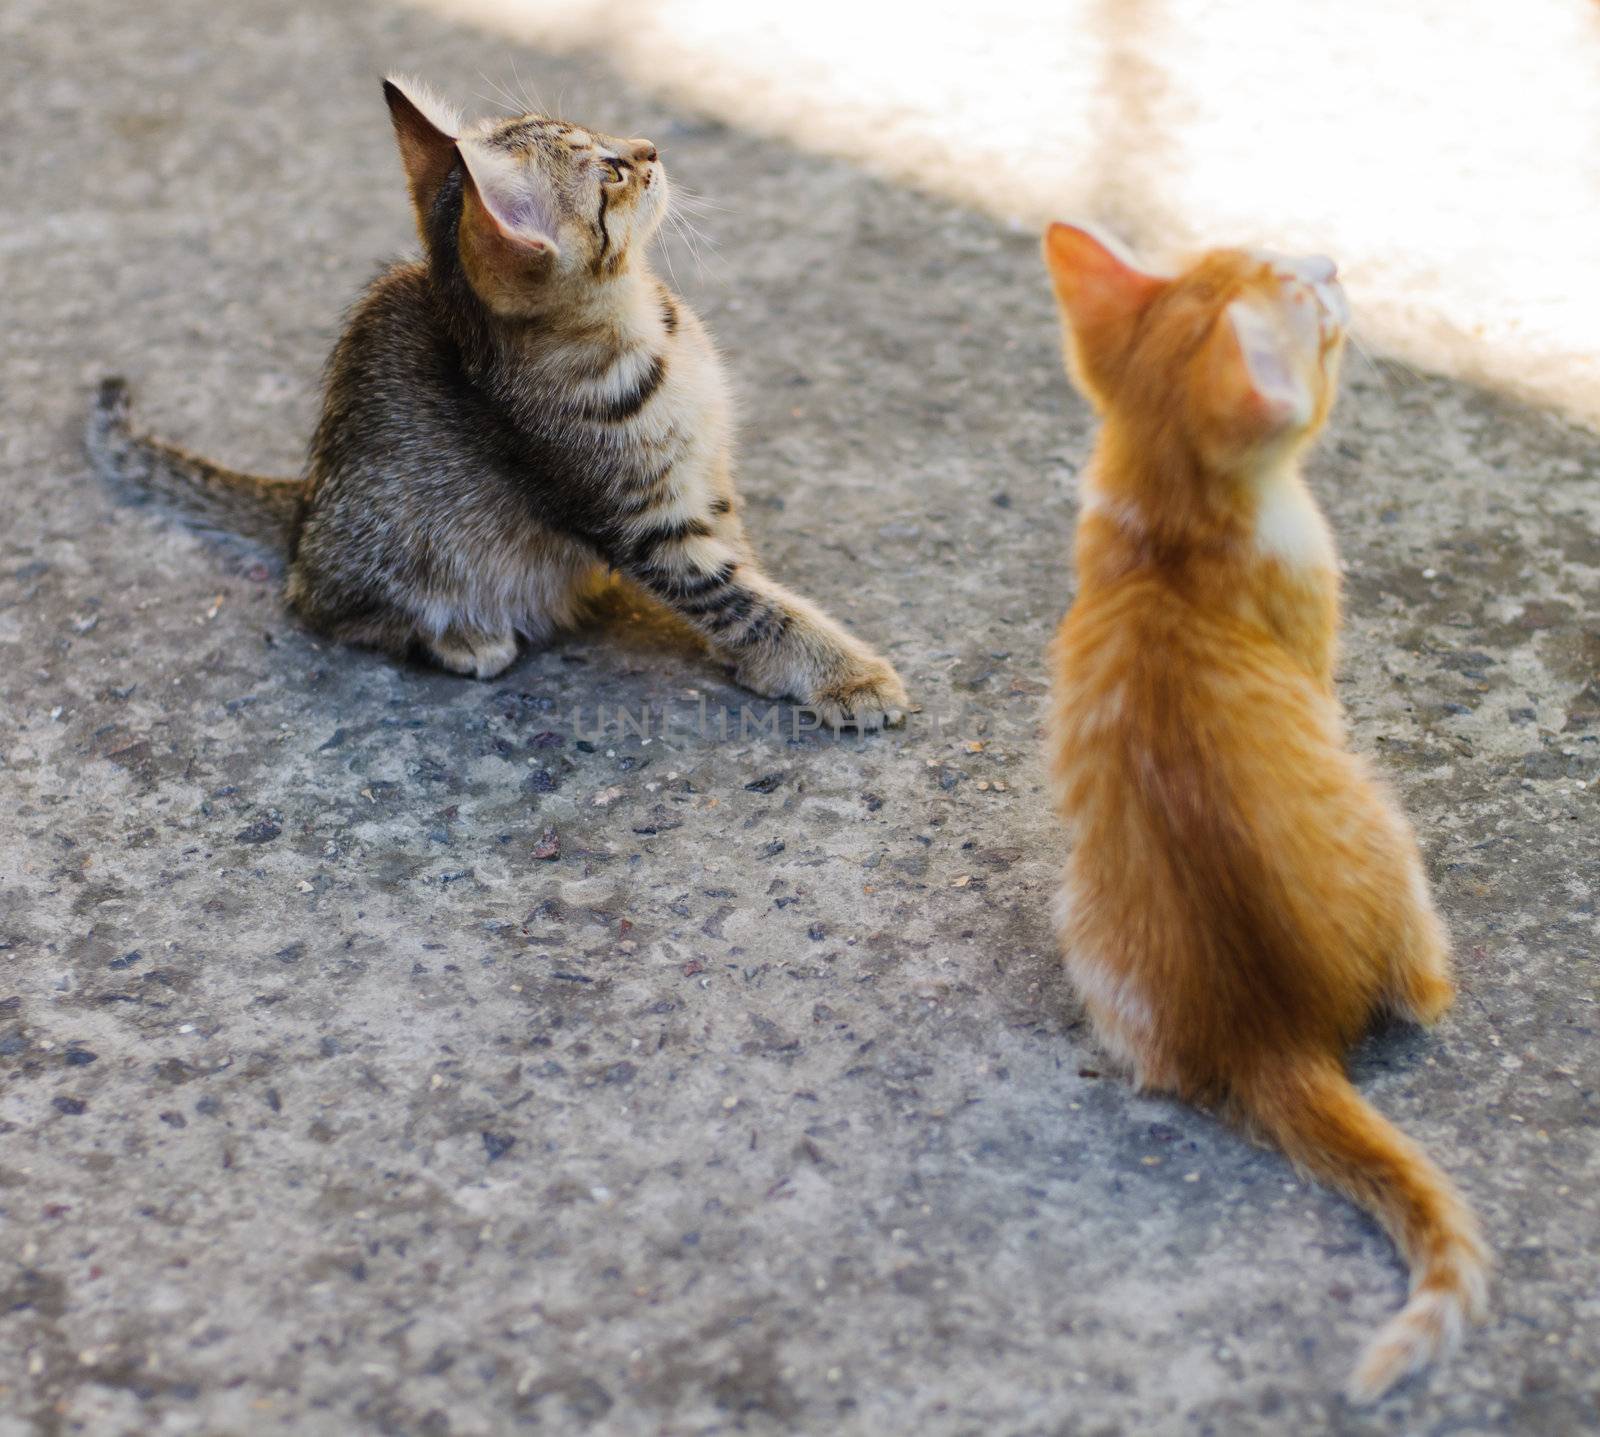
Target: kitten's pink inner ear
1265,361
1094,279
515,196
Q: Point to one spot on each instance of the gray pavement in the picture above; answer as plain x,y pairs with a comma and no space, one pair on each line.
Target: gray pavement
331,1102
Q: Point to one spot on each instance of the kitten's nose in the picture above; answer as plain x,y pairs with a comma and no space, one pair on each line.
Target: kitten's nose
643,151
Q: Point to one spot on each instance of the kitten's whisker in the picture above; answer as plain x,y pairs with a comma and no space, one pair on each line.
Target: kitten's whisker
1411,372
693,231
697,201
667,247
1388,361
666,254
688,224
697,214
689,249
535,106
693,241
497,103
1389,366
1372,364
510,102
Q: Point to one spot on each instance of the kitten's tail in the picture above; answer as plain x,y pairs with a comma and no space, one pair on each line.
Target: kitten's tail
1319,1119
266,510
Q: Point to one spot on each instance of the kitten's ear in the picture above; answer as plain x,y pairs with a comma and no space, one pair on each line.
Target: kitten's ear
1096,281
516,199
426,129
1262,360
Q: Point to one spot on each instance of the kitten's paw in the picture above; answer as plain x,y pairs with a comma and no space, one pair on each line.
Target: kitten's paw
868,696
826,670
478,656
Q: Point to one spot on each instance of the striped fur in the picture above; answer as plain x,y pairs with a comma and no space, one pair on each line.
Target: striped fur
509,421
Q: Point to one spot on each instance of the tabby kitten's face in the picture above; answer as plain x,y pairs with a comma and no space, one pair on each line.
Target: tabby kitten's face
550,210
1240,350
591,198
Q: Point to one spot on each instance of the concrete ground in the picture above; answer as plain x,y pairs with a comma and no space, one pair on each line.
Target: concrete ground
387,1053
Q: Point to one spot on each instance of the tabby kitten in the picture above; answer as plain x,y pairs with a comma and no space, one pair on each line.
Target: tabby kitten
1242,897
507,420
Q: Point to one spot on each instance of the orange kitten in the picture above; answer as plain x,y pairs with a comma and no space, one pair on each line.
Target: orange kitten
1242,896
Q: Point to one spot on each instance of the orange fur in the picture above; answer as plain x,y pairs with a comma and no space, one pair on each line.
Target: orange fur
1242,897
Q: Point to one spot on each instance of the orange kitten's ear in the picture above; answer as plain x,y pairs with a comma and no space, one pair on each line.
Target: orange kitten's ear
1097,283
516,199
1258,352
426,129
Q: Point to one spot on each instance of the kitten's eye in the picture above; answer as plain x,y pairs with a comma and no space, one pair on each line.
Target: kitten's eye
614,173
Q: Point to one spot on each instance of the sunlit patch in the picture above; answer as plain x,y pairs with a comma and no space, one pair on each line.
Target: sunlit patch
1470,244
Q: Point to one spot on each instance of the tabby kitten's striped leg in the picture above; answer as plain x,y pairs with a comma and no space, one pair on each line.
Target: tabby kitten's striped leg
781,645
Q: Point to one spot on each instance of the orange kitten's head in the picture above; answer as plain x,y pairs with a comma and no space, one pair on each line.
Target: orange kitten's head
1237,357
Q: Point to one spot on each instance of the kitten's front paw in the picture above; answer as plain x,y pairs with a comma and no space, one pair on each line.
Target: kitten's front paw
831,673
867,696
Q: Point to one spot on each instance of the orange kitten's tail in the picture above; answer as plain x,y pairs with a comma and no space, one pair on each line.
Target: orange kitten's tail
1319,1119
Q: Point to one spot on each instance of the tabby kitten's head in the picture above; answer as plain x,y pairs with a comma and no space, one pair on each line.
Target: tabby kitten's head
1237,357
547,207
